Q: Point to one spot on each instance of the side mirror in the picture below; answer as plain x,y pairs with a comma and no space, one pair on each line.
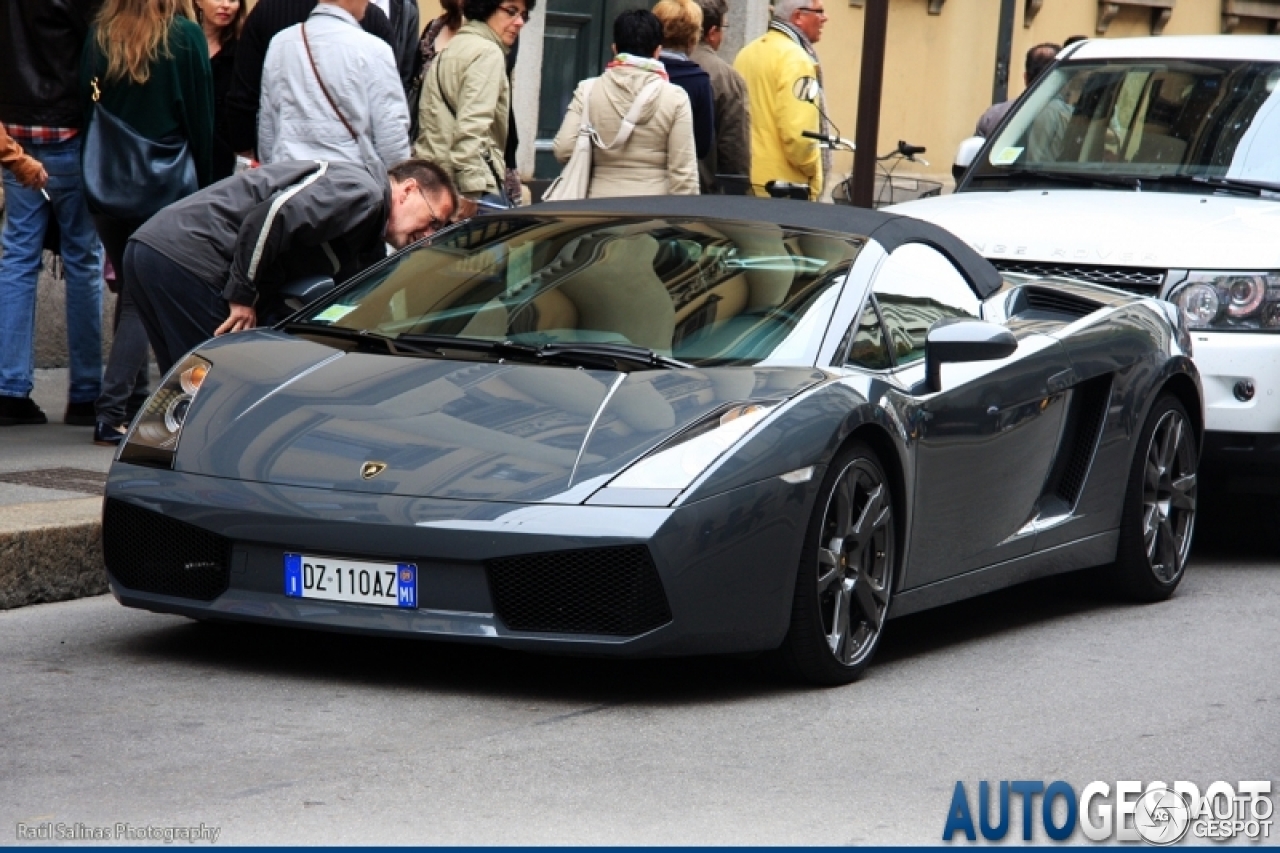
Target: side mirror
965,155
301,292
806,89
959,340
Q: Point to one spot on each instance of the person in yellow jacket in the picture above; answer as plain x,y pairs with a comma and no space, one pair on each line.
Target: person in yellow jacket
771,65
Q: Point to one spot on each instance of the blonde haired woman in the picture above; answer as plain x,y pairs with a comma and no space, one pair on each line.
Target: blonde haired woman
681,28
148,63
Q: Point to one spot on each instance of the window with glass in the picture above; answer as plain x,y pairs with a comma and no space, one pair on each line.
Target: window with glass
701,292
916,287
1151,119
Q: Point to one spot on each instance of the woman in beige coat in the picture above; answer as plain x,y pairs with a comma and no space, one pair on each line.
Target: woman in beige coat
659,157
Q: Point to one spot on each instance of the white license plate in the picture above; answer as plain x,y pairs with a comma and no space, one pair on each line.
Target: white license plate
339,579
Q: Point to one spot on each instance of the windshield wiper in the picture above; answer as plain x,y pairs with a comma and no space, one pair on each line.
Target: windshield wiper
605,356
1073,178
625,353
1239,185
360,336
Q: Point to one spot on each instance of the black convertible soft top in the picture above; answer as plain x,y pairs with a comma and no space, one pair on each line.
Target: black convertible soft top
887,229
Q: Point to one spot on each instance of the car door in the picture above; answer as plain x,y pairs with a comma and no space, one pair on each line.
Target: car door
983,444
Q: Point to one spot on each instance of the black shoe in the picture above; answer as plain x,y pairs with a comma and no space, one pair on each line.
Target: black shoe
80,414
15,411
107,435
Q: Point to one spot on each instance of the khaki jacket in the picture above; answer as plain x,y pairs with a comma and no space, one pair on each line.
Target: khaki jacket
658,159
25,168
771,65
732,154
466,101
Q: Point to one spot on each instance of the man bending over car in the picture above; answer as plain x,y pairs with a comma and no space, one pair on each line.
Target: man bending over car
205,265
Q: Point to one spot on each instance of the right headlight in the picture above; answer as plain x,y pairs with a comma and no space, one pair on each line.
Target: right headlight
154,437
1219,301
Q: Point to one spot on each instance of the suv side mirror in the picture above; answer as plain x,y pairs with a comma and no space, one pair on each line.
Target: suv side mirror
965,155
958,340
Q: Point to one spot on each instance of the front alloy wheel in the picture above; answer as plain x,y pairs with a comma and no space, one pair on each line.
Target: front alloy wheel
846,572
1160,506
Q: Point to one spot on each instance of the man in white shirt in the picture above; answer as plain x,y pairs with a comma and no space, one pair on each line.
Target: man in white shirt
333,95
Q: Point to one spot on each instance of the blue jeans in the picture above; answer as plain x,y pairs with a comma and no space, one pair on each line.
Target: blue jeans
27,218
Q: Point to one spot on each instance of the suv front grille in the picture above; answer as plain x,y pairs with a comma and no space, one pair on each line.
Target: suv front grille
149,552
613,591
1143,280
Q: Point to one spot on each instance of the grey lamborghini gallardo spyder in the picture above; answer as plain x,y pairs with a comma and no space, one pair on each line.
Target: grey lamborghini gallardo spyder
663,426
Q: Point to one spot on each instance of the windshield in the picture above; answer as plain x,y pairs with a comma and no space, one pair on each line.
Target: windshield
701,292
1143,119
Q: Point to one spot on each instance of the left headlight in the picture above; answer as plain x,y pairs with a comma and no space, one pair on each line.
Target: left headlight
680,461
1217,301
154,437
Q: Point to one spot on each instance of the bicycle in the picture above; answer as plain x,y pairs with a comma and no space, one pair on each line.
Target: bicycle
889,188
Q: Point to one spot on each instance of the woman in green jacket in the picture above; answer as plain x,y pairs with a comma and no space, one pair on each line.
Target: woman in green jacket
147,62
465,106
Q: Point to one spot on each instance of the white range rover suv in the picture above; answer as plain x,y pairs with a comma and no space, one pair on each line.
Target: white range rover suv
1153,165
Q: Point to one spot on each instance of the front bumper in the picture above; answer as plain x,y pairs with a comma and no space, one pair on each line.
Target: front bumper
726,564
1226,359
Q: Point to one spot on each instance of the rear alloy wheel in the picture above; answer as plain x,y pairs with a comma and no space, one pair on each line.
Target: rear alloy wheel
845,580
1160,505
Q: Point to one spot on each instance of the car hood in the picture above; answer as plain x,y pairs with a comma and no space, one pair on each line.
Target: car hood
276,409
1124,228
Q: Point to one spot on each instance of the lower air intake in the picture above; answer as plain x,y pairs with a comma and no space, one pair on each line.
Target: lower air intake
613,591
148,552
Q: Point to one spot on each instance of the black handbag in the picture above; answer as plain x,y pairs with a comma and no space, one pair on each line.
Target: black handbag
128,176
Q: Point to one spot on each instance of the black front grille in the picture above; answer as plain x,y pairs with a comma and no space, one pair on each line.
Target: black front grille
614,591
1144,280
1057,302
149,552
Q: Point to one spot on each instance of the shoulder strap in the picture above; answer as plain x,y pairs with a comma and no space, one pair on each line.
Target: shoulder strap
647,94
316,71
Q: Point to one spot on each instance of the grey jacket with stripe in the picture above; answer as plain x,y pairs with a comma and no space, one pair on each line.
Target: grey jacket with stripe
248,234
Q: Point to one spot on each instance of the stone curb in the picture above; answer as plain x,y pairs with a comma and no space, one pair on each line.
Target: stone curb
51,551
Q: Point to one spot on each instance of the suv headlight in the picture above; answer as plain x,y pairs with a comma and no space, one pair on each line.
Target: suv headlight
1220,301
153,440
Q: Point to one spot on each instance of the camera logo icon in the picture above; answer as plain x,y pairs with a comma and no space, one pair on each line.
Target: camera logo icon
1161,816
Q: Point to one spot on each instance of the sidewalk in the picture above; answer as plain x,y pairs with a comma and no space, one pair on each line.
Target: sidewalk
51,480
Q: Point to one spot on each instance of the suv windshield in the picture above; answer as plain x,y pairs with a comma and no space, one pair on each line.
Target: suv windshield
697,291
1216,121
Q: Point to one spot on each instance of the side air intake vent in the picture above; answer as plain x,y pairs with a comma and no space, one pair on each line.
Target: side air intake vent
1085,417
1058,302
614,591
149,552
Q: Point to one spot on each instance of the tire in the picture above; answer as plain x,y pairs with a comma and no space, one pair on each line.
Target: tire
846,573
1159,506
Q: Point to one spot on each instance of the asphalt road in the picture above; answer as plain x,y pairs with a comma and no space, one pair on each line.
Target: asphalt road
112,715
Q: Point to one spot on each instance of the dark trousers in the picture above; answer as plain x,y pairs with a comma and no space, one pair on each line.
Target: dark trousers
179,311
124,383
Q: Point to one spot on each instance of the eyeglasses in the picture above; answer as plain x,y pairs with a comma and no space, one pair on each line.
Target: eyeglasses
513,12
820,12
436,222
